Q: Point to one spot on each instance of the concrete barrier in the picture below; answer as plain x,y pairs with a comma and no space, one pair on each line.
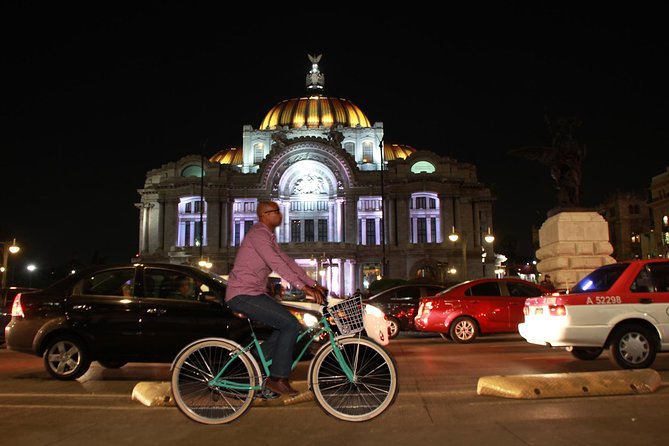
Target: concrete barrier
156,394
563,385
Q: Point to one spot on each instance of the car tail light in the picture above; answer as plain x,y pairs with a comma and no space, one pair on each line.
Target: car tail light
17,310
557,310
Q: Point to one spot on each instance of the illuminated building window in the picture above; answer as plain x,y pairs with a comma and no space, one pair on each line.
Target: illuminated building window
258,152
424,218
322,230
422,167
369,220
192,222
295,231
308,230
367,152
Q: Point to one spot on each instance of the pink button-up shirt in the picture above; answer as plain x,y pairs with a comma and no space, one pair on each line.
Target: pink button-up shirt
259,254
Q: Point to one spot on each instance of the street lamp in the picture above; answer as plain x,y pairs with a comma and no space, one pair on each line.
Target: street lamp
7,248
31,269
454,237
489,238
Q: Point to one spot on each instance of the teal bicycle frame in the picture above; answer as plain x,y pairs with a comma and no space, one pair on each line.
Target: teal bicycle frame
314,332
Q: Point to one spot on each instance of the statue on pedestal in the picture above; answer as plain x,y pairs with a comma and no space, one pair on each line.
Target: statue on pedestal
564,157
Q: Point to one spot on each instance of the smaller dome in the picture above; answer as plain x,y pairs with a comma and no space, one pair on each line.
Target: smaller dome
232,156
397,151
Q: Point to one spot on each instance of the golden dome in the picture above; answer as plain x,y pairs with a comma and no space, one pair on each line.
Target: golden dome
232,156
397,151
313,112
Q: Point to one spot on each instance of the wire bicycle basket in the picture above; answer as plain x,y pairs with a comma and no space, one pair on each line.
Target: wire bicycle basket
347,315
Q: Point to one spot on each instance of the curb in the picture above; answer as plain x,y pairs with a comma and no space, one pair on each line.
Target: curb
561,385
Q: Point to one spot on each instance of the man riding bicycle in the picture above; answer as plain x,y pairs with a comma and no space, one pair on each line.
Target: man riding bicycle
259,254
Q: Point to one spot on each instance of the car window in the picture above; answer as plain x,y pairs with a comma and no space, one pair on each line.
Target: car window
411,291
600,279
484,289
116,282
517,289
653,278
167,284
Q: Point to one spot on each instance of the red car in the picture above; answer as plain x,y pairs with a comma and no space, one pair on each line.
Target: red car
476,307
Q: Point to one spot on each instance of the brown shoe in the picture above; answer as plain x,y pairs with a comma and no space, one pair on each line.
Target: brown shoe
280,386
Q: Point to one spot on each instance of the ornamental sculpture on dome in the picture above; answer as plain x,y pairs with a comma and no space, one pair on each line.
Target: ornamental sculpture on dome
315,79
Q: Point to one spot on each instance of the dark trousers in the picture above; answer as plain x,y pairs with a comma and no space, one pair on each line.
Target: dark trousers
280,344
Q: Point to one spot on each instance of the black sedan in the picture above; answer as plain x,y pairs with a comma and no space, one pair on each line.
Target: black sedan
117,314
7,296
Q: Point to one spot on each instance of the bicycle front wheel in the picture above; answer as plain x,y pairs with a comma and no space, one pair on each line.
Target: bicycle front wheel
374,385
197,365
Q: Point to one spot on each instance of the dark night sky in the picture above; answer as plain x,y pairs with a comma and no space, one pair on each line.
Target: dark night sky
94,99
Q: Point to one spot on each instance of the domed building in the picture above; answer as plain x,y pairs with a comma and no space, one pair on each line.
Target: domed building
355,208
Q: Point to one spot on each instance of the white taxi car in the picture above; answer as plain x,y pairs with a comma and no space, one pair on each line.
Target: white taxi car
622,306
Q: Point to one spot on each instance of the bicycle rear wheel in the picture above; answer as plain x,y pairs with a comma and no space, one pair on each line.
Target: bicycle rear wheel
373,389
197,365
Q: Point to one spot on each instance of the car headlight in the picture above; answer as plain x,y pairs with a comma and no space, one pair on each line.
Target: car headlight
310,320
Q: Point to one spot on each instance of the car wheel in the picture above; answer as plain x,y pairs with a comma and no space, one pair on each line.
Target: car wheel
633,347
393,327
112,364
586,353
464,330
66,358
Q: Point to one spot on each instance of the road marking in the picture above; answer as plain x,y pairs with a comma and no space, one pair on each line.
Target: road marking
64,395
53,406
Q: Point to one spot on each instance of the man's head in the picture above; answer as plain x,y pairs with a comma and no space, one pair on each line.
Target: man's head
269,214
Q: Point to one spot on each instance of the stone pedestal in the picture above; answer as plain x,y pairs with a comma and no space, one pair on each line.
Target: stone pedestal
571,245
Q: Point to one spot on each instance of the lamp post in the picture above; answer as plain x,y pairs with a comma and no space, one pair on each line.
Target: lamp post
489,239
7,248
31,269
454,237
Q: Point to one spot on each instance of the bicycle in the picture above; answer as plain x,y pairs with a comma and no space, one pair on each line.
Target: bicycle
215,380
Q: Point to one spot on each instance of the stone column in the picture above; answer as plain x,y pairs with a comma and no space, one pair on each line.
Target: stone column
572,244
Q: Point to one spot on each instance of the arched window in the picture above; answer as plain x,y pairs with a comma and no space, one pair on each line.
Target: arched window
350,148
192,171
258,152
367,152
422,167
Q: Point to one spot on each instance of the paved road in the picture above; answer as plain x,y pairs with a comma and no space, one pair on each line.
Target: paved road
437,404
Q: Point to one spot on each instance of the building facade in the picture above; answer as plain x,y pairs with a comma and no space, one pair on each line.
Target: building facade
355,208
628,217
657,239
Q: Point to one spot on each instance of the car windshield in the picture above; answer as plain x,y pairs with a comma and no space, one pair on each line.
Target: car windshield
600,279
